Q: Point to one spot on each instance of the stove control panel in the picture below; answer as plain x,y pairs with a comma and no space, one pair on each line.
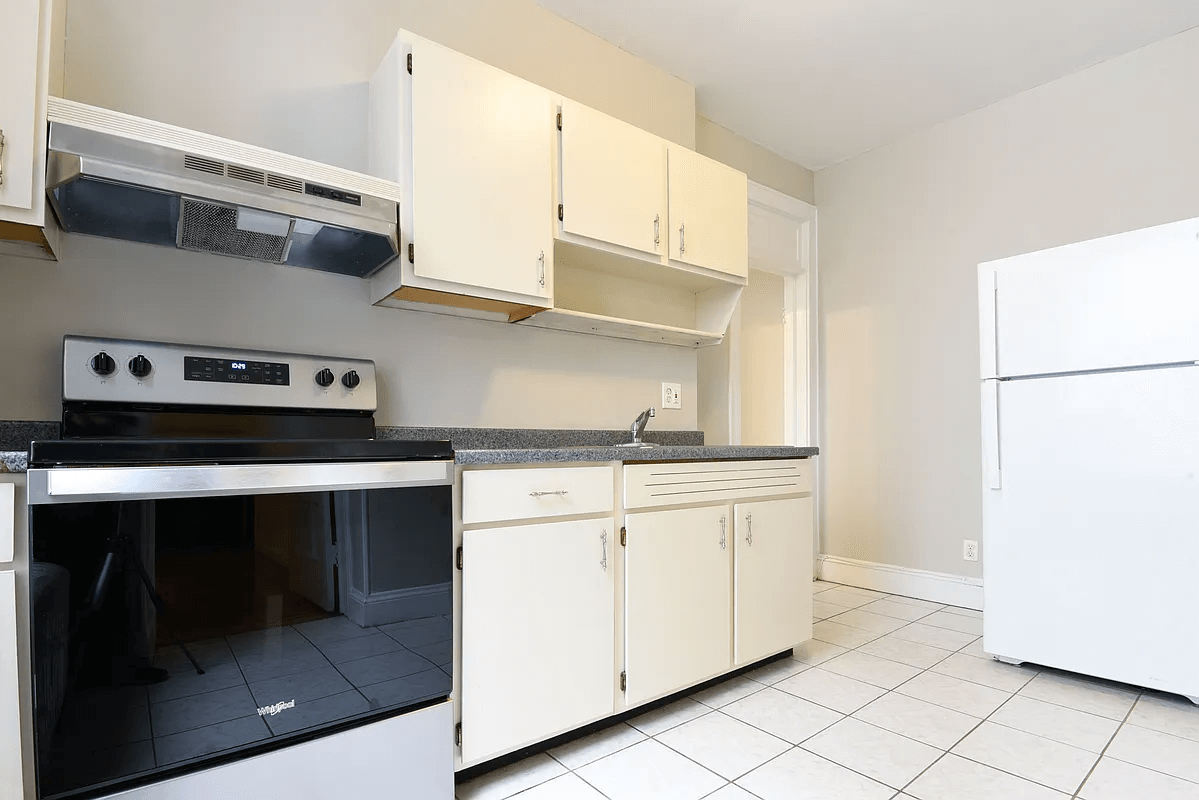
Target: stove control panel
230,370
129,371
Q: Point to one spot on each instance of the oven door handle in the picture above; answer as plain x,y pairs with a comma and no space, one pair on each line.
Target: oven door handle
91,484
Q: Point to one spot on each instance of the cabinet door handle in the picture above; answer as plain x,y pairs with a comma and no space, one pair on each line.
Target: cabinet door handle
656,239
1,156
604,549
682,241
541,268
724,527
558,493
749,529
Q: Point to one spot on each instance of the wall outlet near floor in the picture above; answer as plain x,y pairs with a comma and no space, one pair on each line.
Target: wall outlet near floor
672,395
969,550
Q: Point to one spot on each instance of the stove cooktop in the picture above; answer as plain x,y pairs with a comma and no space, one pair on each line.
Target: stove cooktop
169,452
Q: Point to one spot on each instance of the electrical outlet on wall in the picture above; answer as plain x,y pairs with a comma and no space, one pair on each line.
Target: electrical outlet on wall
672,395
969,550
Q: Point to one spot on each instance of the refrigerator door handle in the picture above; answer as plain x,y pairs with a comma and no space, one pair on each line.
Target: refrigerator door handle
990,414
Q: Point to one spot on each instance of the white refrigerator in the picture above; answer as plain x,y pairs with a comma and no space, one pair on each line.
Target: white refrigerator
1090,427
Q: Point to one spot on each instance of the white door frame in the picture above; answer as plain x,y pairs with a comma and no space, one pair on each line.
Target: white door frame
800,348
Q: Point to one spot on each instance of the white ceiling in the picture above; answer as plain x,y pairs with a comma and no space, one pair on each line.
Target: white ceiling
819,81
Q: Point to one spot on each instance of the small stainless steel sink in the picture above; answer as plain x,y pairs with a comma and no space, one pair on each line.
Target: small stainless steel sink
636,444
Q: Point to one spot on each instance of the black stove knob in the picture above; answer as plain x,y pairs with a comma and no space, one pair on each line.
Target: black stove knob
102,364
350,379
140,366
325,377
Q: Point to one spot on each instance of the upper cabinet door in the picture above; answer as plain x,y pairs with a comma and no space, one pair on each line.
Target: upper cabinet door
613,181
19,60
482,181
709,213
772,578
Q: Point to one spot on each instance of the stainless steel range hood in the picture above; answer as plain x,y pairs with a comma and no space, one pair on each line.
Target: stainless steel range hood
123,177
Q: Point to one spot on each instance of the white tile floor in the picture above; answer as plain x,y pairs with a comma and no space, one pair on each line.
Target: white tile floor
893,699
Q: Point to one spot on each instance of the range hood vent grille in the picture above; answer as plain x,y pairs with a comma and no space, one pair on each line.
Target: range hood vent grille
287,184
245,174
212,228
214,167
204,165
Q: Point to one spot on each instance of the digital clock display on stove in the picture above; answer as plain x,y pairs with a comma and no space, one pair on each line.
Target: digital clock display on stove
225,370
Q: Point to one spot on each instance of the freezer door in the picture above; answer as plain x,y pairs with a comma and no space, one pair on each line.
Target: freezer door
1120,301
1091,546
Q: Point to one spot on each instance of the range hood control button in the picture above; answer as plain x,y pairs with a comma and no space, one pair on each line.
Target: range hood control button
102,364
350,380
140,366
325,377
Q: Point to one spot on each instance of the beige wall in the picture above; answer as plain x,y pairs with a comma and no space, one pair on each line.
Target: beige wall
292,76
756,161
1108,149
435,370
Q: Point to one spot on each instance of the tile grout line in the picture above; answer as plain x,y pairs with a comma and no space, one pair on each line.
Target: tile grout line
1103,752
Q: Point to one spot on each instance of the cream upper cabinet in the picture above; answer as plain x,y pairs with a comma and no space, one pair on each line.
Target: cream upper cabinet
472,148
25,81
772,590
538,632
613,181
677,599
481,174
19,91
709,213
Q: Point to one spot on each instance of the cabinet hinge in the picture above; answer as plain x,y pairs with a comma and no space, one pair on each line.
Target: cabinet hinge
559,212
458,559
409,63
458,734
624,536
411,253
559,120
624,681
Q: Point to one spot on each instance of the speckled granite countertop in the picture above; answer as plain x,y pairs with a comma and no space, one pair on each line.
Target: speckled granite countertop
15,436
490,445
13,461
664,453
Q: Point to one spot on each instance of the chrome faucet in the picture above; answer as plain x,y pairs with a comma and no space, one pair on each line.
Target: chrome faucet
638,426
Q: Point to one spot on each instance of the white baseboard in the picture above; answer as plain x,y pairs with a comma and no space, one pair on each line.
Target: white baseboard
936,587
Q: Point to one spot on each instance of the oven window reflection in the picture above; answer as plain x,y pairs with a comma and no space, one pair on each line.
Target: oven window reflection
171,631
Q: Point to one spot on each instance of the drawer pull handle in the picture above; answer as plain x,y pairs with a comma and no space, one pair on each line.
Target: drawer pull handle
604,549
558,493
749,529
724,526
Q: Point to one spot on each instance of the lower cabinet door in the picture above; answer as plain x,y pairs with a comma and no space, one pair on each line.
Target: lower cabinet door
538,608
772,597
677,612
11,783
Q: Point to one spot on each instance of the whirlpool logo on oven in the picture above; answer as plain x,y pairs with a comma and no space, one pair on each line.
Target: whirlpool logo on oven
270,711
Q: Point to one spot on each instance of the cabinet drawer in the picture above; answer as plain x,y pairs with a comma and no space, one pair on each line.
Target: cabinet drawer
648,485
505,494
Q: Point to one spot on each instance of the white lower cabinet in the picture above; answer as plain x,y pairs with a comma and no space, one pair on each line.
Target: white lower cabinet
11,783
677,599
538,632
772,587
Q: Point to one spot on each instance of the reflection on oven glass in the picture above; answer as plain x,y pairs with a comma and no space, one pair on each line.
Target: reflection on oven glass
183,638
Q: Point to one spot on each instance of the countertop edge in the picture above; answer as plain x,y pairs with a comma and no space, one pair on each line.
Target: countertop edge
17,461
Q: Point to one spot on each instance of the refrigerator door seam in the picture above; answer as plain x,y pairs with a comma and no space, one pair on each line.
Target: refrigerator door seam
1100,371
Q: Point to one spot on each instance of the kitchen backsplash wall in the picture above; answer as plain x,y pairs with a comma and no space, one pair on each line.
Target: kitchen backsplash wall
433,369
